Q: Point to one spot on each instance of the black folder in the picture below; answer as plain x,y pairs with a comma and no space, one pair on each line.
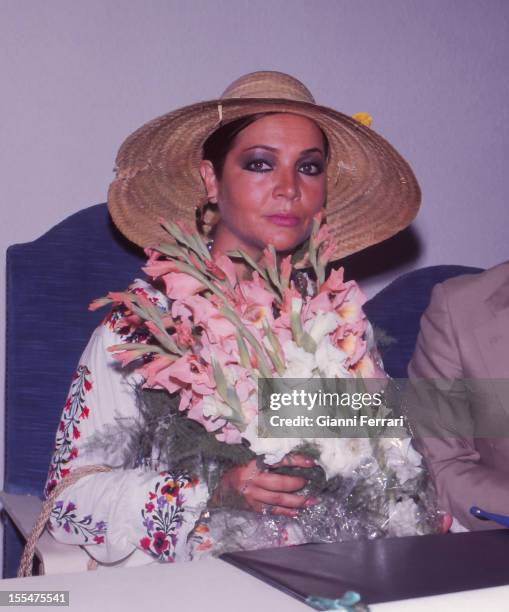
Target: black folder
385,569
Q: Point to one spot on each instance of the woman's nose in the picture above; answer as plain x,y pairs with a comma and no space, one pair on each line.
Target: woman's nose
287,184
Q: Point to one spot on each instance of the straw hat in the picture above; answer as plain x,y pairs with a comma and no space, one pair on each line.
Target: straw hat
372,192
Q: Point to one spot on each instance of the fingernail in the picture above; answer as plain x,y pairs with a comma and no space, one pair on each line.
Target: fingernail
311,501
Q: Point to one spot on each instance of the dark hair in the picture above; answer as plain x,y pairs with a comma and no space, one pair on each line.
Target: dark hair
219,143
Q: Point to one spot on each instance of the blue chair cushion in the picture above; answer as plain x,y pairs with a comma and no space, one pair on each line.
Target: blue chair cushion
397,310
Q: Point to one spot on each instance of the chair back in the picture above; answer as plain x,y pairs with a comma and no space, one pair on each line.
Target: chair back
50,282
396,311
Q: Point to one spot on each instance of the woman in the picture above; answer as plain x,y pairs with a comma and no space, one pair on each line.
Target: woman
252,168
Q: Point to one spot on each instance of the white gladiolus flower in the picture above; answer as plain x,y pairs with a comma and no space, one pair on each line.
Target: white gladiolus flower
215,408
299,363
331,361
341,456
274,449
322,324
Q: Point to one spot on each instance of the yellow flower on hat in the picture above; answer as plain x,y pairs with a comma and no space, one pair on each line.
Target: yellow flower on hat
364,118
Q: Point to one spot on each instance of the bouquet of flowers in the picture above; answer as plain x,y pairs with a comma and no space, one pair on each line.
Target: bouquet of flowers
221,335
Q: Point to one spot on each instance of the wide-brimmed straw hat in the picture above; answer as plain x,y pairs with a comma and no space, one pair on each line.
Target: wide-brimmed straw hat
372,192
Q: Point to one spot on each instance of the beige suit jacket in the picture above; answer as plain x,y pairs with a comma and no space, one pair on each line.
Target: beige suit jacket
465,334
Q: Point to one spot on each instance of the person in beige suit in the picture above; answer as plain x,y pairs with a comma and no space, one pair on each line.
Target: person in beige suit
465,335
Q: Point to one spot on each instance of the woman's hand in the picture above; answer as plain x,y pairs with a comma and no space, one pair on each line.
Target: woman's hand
265,491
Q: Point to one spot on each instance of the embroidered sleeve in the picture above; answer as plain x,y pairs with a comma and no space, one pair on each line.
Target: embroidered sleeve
117,512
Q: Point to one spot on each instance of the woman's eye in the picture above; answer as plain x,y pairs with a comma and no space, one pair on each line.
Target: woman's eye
311,168
258,165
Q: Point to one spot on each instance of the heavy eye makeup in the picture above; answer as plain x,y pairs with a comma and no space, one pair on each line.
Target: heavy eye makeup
309,167
258,164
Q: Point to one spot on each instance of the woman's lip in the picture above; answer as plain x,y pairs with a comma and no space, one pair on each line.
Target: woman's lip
283,220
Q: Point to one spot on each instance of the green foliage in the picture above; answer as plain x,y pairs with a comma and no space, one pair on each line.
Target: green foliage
183,445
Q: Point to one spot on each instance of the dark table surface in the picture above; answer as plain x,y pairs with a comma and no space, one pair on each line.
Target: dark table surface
385,569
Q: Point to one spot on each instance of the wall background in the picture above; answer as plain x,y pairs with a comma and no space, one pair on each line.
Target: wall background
78,77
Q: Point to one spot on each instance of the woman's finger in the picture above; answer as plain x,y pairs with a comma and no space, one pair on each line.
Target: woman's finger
279,482
295,460
278,498
276,510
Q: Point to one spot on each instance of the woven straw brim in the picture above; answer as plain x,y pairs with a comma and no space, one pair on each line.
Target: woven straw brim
372,192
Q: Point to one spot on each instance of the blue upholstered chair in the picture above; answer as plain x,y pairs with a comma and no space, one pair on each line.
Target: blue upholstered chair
50,282
397,310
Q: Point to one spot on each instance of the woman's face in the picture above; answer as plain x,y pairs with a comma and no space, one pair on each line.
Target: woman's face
273,183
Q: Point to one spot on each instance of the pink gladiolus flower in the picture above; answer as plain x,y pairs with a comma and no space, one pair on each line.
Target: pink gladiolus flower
195,306
196,413
206,315
219,329
189,370
322,235
144,301
244,384
328,254
156,374
186,396
354,346
256,314
155,331
368,368
116,297
254,292
320,303
255,304
130,321
281,326
227,267
334,283
350,312
288,295
152,254
229,434
157,268
180,285
120,297
193,403
98,303
282,329
224,352
126,357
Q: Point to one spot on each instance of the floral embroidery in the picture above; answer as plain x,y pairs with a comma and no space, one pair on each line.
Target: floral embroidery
75,410
118,318
163,516
85,527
